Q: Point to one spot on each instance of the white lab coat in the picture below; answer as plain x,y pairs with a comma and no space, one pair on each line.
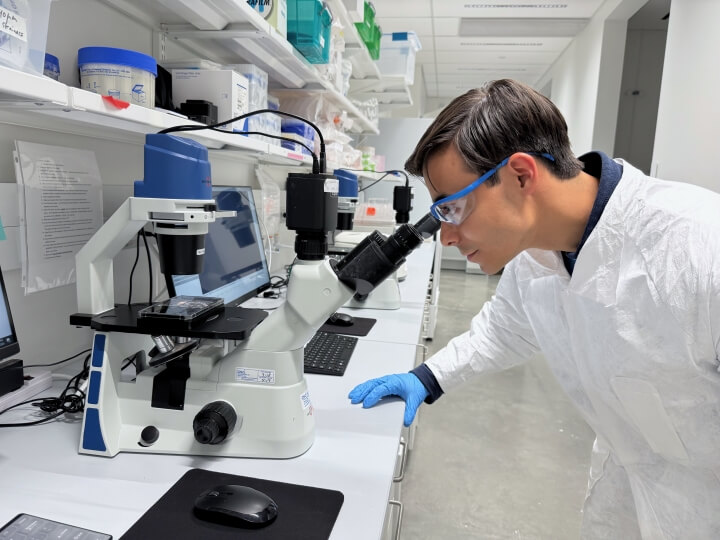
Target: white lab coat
633,338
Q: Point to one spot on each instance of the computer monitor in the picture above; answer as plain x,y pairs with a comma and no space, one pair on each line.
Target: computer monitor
8,338
235,267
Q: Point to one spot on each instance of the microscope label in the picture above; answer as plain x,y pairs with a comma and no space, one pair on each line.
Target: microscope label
332,185
306,403
254,375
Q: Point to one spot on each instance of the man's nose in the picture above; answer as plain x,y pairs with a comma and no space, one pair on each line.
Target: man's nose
448,234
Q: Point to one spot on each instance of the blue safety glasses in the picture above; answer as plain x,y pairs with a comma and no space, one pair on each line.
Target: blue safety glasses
456,207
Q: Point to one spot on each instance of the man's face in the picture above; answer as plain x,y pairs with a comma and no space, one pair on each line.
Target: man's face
493,231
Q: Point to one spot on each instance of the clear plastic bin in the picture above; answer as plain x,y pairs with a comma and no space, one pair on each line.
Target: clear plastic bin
23,34
397,57
309,25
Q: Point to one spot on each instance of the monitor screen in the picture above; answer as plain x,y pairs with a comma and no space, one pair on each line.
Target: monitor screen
8,339
234,266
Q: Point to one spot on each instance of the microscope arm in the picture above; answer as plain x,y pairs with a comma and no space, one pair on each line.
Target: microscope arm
93,263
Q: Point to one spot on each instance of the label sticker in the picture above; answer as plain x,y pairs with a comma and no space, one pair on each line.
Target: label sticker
332,185
255,375
200,251
306,403
13,24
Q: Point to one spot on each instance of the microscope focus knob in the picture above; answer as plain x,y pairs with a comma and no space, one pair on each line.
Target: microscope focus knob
214,422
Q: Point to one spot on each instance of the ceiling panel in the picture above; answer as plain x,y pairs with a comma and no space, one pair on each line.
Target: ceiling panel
419,25
515,8
478,57
402,8
443,26
500,44
446,26
430,70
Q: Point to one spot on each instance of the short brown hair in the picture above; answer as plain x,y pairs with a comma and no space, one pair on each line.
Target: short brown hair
488,124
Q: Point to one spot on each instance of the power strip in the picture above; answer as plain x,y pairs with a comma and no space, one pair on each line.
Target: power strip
41,380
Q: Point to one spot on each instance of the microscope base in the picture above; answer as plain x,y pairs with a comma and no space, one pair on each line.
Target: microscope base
273,420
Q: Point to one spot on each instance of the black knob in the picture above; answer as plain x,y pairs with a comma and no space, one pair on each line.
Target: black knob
148,436
214,422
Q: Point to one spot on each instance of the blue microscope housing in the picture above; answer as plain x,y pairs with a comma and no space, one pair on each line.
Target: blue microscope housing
175,168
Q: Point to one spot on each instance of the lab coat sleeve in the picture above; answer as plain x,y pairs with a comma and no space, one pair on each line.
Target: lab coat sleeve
500,337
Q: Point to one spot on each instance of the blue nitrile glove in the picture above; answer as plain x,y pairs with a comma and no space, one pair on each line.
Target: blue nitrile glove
405,385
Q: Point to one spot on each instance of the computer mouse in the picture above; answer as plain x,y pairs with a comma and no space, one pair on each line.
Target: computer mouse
341,319
235,506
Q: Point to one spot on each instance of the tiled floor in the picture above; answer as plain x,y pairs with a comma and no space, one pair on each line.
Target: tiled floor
504,456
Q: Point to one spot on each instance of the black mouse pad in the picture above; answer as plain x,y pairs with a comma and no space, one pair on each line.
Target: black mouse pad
361,326
304,513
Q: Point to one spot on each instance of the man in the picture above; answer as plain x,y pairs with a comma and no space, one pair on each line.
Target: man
612,275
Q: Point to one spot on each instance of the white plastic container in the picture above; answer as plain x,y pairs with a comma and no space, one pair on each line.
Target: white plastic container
119,73
226,89
23,34
397,55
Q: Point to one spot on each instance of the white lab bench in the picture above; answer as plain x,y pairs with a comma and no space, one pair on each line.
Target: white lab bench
355,450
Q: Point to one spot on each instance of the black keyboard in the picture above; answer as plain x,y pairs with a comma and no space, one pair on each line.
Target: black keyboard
328,354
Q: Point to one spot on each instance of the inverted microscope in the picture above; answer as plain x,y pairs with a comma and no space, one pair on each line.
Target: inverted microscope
212,379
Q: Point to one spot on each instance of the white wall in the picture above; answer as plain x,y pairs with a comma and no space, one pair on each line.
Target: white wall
686,137
586,77
640,96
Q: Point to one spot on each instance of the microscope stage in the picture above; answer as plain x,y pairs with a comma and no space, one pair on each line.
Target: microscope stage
232,323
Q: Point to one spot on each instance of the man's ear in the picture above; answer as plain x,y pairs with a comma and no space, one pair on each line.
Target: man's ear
524,170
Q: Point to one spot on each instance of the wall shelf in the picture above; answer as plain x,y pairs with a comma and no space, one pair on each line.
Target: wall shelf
391,91
47,104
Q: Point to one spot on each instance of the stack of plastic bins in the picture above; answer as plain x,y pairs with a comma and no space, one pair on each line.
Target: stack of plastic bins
374,44
370,32
365,28
309,24
398,55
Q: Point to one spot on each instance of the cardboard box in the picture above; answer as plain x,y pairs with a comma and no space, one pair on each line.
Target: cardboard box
226,89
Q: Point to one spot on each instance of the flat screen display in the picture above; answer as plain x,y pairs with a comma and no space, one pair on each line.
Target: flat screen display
234,267
8,339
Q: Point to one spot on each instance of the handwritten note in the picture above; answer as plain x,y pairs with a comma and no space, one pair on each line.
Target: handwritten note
13,24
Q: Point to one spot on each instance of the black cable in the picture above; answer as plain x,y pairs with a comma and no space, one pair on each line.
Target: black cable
375,182
149,259
57,406
59,361
137,256
393,171
318,164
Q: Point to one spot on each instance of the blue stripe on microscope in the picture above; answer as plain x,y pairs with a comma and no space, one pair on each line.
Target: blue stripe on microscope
98,350
92,434
94,389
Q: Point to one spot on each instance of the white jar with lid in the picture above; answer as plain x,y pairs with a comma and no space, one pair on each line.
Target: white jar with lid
119,73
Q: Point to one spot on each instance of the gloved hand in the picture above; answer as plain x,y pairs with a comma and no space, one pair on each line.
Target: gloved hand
405,385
